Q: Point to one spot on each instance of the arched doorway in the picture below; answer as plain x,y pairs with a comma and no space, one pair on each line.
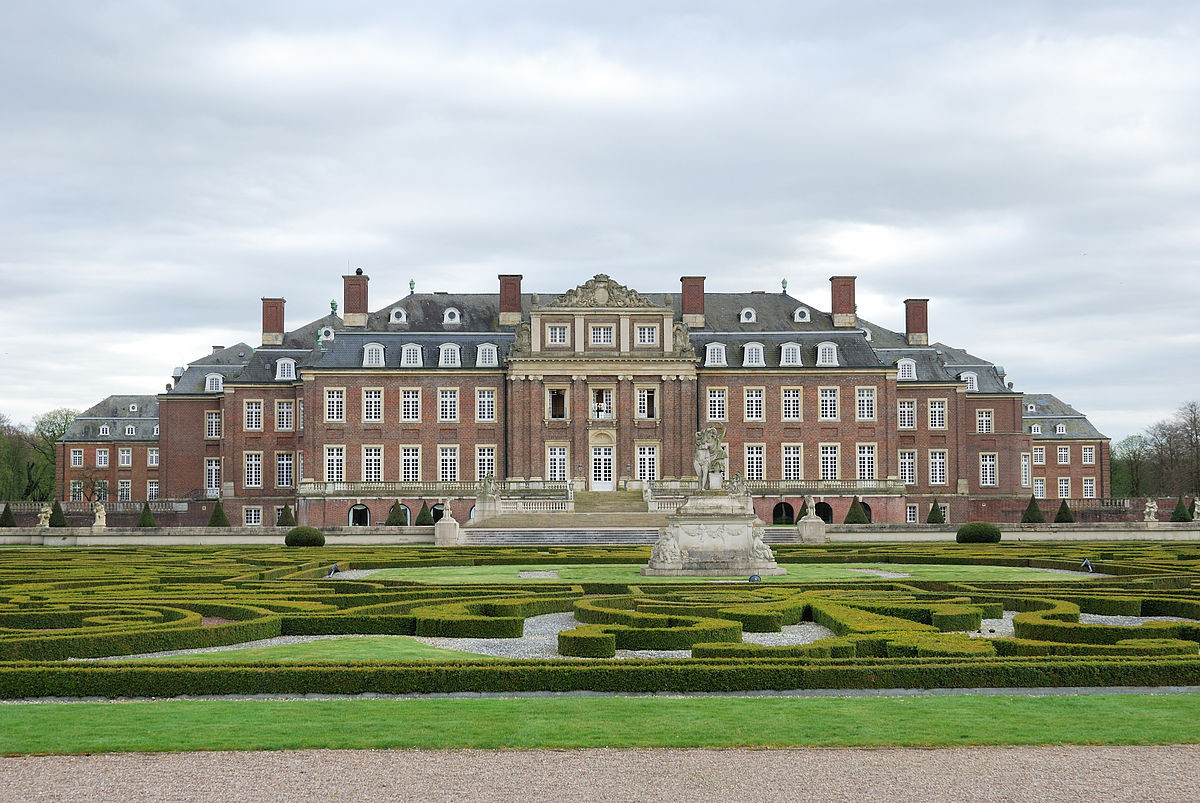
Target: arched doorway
471,513
783,513
867,509
825,512
360,516
437,511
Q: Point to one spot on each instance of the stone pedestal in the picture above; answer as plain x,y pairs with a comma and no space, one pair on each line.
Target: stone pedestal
712,535
445,531
811,530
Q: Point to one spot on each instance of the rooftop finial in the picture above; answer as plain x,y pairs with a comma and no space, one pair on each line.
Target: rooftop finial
784,283
332,306
412,286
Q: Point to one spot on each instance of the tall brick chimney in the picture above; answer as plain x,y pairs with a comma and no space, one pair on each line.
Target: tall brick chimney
842,290
272,321
916,321
510,299
354,311
691,301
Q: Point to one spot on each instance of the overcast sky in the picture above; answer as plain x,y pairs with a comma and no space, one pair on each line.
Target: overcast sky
1031,167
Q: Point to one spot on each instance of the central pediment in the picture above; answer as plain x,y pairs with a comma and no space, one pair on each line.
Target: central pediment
601,291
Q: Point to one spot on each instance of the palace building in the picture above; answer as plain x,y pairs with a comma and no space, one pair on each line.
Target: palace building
598,388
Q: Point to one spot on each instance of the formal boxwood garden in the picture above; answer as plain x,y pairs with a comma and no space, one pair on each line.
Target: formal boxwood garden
60,606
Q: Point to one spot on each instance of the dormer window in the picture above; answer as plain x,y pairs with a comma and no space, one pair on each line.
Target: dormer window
156,430
789,354
448,355
752,354
715,354
1036,429
1060,429
485,355
748,315
214,383
827,354
906,369
129,430
1031,408
451,316
133,408
398,316
285,369
972,381
104,430
410,356
372,355
801,315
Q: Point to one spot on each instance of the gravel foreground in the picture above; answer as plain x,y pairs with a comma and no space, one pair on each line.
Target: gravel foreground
1163,773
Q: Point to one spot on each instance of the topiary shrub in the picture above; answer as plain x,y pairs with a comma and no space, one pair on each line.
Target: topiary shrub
286,519
935,514
147,517
57,519
803,509
304,536
1180,513
218,517
856,514
1033,512
397,515
978,532
1064,514
6,518
425,517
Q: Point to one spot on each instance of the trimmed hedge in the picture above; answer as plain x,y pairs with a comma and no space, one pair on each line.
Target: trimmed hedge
1180,513
286,517
1033,512
978,532
1064,514
147,517
425,517
57,519
856,514
935,514
304,536
397,515
6,518
218,517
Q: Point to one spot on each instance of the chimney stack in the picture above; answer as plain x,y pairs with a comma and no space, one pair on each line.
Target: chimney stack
842,290
355,297
691,301
272,321
510,299
916,321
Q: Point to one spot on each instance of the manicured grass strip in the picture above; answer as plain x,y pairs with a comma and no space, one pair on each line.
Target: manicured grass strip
371,648
597,722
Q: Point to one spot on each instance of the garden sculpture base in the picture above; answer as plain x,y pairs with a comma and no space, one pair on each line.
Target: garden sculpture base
712,535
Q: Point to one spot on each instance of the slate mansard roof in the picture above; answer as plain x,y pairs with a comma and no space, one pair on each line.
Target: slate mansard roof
117,412
1050,412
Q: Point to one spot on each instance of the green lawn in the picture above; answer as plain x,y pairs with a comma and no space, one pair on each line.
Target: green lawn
334,650
796,572
597,722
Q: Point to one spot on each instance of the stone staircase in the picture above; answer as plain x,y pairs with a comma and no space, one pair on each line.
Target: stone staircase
610,502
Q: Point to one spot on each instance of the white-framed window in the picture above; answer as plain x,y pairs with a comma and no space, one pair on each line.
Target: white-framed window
748,315
1035,429
987,469
1031,407
647,462
101,490
937,413
556,403
906,414
284,418
214,383
130,430
1089,455
828,398
133,408
910,514
102,458
714,354
937,466
866,461
372,465
906,369
373,355
285,368
485,404
793,461
717,410
284,474
448,356
451,316
156,430
602,404
1064,487
1064,455
410,463
829,461
1026,470
647,403
252,415
945,512
1039,455
447,464
486,355
151,490
864,408
801,315
1060,429
105,430
398,316
827,354
556,463
792,404
410,404
299,413
76,458
252,478
335,463
556,335
647,335
485,462
410,356
755,461
252,516
789,354
983,421
447,404
335,405
124,456
908,466
971,379
372,405
602,335
212,477
1089,487
752,355
1039,488
753,400
124,490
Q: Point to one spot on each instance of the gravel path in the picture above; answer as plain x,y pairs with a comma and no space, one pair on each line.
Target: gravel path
1167,773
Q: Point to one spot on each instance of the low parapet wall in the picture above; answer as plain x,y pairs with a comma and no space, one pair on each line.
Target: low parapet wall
1117,531
205,536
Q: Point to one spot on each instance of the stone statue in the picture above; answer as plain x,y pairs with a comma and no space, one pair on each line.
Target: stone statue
759,549
811,503
521,341
600,291
683,341
737,485
666,549
709,457
100,514
1151,512
487,488
44,516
